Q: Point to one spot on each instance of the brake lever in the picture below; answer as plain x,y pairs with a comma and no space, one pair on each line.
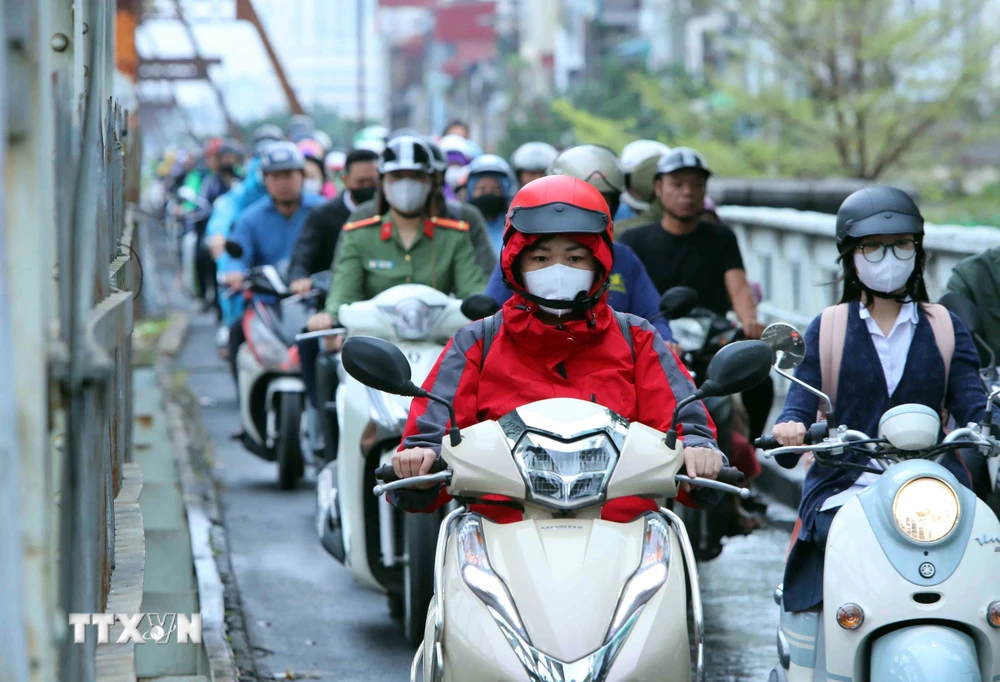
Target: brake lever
715,485
412,482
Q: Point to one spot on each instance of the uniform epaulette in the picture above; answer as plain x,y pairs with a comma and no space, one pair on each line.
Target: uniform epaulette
451,224
374,220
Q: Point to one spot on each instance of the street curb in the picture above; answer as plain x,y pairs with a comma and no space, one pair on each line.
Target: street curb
204,518
170,342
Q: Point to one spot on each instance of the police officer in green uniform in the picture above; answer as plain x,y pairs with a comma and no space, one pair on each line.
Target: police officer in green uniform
402,244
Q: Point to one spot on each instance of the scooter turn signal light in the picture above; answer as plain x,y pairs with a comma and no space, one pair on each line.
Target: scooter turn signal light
850,616
993,614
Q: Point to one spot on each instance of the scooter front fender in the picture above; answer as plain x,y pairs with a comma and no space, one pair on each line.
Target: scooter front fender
925,652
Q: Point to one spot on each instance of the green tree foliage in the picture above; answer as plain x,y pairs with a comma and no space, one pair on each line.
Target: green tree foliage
848,87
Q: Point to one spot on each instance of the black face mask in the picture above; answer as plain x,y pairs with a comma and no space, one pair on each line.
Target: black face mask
491,205
228,169
360,196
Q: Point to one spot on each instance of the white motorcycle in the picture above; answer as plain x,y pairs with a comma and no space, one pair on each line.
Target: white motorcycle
561,595
370,536
910,584
967,312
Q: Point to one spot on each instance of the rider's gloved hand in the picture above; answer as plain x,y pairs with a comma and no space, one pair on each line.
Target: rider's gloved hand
234,280
789,433
217,246
414,462
320,321
301,286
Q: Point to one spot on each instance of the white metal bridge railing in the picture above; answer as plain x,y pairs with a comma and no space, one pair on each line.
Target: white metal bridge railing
793,254
65,330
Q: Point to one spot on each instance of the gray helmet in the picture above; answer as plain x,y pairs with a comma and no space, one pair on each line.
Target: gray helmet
490,163
266,134
878,210
634,153
281,156
407,153
596,165
533,156
681,158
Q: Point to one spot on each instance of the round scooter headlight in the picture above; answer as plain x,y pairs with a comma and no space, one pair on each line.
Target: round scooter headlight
926,509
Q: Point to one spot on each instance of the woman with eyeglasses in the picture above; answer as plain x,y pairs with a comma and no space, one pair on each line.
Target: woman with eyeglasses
897,348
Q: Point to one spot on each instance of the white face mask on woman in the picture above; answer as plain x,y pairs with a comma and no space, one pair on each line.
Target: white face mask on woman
407,195
558,283
312,185
888,275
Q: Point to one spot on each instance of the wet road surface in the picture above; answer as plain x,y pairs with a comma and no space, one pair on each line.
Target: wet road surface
307,617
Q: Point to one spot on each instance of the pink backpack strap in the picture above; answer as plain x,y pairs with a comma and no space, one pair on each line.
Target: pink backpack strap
832,333
944,336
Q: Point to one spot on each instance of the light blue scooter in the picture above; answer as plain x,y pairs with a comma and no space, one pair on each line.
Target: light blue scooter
911,585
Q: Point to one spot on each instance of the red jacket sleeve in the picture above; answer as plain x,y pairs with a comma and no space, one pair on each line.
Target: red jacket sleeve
455,378
661,381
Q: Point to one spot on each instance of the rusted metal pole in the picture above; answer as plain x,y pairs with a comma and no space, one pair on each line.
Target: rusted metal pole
361,63
246,12
234,129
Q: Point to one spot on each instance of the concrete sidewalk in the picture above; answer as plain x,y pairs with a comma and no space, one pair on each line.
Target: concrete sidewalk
164,562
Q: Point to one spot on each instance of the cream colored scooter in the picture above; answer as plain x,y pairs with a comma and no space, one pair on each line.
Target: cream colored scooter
561,596
911,584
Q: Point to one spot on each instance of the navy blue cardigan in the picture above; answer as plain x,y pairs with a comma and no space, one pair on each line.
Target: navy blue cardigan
862,399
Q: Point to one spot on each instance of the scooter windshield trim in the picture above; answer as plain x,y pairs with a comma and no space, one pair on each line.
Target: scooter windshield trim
528,418
478,574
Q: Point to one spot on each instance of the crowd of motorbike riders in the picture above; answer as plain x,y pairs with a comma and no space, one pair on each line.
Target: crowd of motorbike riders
559,242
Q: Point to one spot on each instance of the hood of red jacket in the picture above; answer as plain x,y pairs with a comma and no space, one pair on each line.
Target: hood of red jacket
519,313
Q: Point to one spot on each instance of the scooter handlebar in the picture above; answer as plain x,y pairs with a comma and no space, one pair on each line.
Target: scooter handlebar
387,474
814,434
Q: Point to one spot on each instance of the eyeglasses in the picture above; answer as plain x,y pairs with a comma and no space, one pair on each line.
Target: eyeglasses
874,252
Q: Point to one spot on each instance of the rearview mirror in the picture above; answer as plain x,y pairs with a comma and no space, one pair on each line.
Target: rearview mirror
786,343
478,306
964,309
678,302
737,367
379,364
234,249
188,194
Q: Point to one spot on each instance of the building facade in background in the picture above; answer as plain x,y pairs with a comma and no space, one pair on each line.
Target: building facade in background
318,44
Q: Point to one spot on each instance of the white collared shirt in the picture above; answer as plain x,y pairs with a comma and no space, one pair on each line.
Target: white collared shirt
892,351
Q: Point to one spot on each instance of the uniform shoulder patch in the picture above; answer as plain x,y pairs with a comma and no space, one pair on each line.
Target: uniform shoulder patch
367,222
451,224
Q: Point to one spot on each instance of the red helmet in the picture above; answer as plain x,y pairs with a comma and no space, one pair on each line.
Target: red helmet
558,204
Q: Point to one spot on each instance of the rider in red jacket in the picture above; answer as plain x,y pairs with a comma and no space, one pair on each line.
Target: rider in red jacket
557,338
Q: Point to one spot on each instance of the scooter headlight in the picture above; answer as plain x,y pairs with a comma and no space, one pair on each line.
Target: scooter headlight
926,509
411,318
648,577
563,475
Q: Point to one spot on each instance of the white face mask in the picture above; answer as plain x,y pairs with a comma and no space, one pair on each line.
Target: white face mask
312,185
888,275
558,283
407,195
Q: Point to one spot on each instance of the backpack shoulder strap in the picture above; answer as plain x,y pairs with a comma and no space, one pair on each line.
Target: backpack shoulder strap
832,333
490,329
626,328
944,335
